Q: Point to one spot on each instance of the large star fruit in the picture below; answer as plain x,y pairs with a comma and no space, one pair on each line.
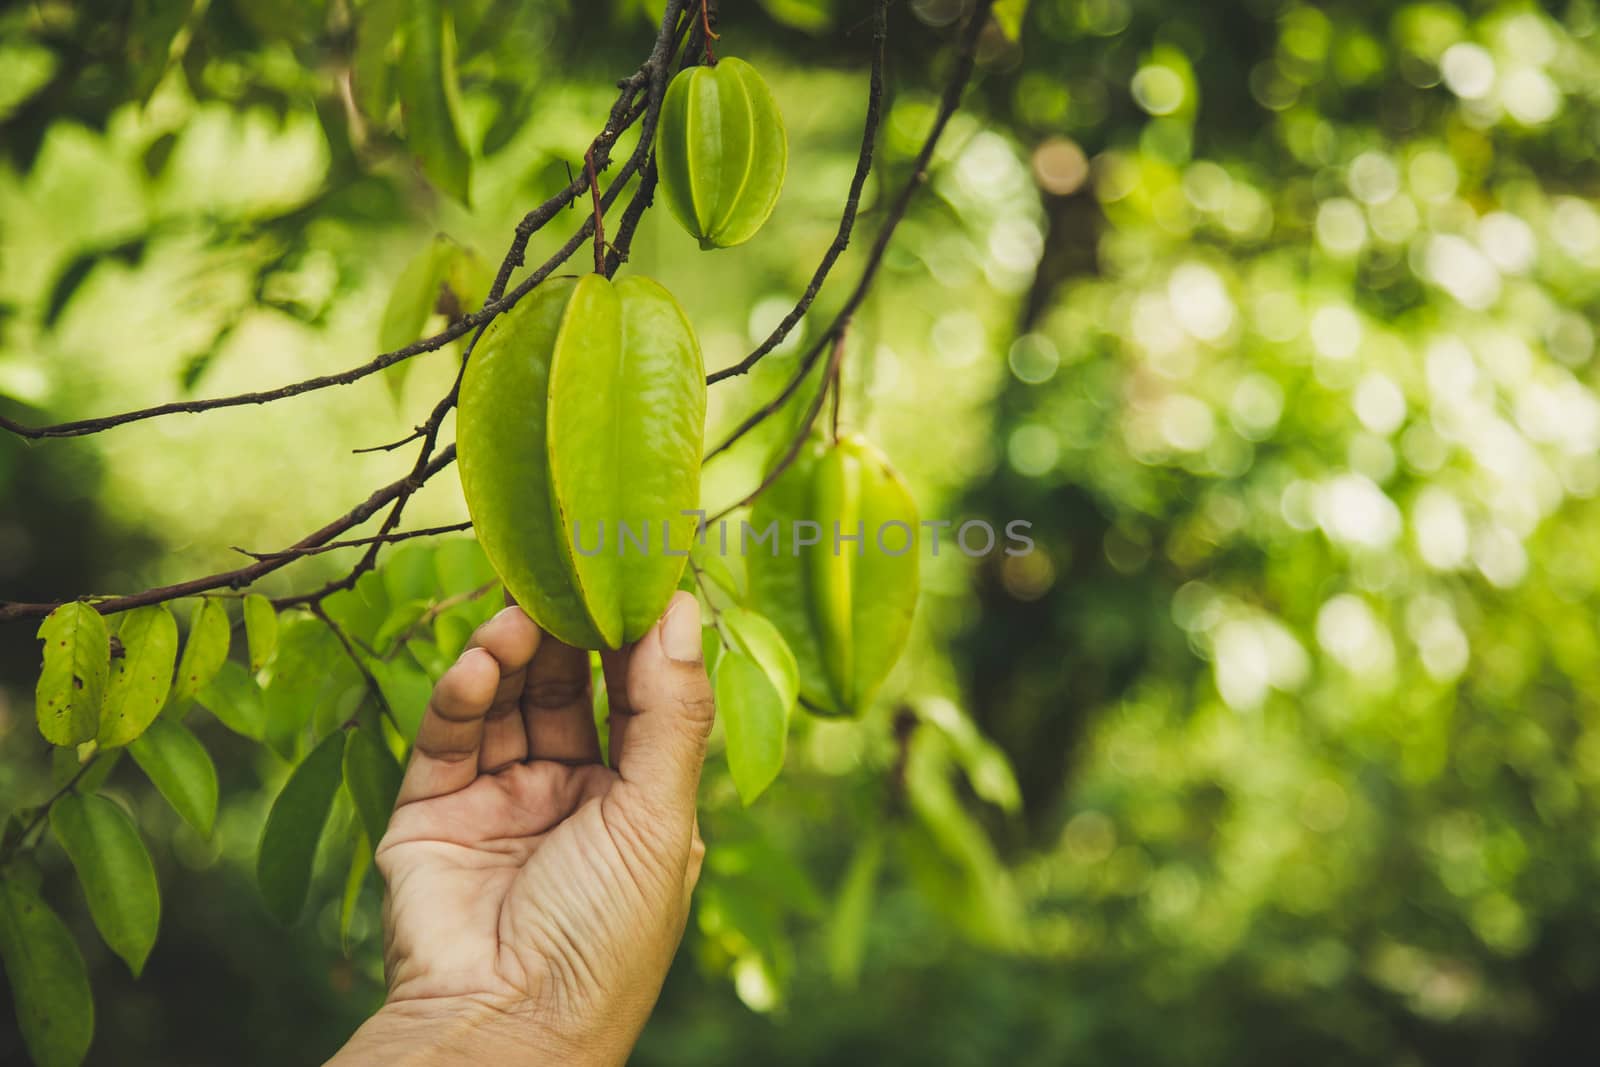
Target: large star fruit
844,604
580,426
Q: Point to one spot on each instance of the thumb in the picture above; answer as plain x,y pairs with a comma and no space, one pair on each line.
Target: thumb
670,699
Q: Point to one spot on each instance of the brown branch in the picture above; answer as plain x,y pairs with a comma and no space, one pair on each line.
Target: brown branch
356,542
949,103
347,641
625,112
830,378
599,213
243,576
847,220
434,612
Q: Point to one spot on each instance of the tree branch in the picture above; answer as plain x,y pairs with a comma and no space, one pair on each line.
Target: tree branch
243,576
651,77
625,112
949,103
847,220
357,542
829,378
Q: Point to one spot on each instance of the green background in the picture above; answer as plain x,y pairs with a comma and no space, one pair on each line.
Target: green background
1275,320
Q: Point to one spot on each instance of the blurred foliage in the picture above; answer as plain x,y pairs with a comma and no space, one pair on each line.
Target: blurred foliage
1274,319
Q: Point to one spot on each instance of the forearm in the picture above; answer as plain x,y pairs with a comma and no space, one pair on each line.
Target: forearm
452,1034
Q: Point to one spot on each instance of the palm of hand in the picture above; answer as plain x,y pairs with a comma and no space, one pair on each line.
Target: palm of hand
523,873
471,874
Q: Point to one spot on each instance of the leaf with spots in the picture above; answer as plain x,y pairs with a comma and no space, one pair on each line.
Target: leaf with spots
141,677
77,666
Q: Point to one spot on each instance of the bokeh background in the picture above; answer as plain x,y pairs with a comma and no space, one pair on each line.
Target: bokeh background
1274,318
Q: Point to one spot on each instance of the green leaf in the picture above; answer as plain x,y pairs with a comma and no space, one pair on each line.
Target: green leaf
360,865
77,668
360,612
289,840
713,567
312,673
48,979
141,677
65,763
203,654
462,567
405,689
373,778
178,766
985,765
1008,15
415,292
235,698
412,303
260,630
409,574
118,878
427,78
710,647
757,687
847,931
377,29
812,16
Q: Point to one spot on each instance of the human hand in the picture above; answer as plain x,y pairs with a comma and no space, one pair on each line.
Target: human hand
536,896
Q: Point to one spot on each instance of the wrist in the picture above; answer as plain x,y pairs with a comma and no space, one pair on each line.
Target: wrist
450,1031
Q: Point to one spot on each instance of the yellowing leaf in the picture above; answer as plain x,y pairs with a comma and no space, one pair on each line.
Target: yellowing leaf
141,677
77,667
203,654
260,630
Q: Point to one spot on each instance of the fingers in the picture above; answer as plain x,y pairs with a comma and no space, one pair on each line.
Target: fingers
619,711
664,740
511,638
445,757
558,710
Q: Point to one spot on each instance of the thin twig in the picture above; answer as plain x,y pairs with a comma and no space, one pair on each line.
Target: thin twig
948,105
847,219
361,665
42,812
241,576
625,112
829,378
433,612
599,214
355,542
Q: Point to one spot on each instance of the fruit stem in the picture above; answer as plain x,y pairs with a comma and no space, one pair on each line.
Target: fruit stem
710,34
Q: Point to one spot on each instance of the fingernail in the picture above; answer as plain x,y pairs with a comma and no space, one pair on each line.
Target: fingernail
680,631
